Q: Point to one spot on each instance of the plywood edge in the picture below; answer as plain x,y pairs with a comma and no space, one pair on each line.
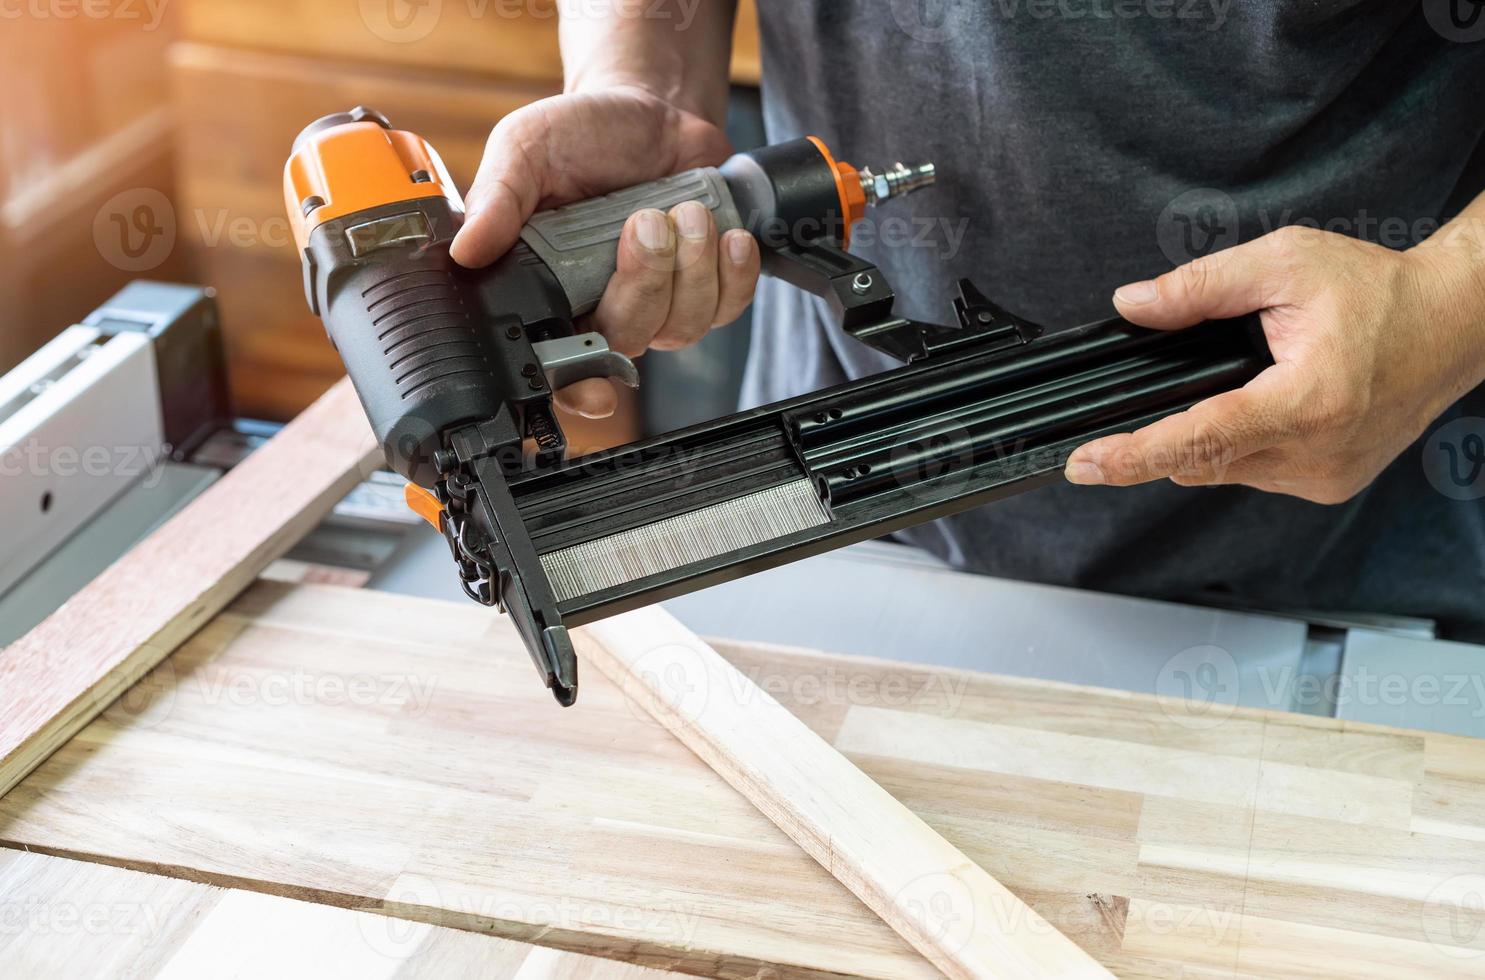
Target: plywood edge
62,674
949,908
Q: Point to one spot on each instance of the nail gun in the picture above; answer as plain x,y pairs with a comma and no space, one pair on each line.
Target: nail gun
456,368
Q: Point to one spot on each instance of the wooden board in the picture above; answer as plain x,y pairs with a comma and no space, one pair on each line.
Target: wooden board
515,39
78,919
962,920
59,676
450,789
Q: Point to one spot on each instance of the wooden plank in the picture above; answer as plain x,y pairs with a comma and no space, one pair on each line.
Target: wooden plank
964,921
444,786
378,751
78,919
54,680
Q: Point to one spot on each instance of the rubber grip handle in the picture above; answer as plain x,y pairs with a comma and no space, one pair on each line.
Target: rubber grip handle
580,242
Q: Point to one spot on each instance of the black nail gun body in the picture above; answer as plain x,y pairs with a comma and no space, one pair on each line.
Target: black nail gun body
456,368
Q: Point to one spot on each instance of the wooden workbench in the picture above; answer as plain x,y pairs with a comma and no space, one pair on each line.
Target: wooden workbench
397,756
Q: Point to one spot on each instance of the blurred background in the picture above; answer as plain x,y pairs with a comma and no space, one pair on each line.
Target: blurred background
145,139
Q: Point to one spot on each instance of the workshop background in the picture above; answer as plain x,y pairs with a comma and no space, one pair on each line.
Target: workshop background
147,139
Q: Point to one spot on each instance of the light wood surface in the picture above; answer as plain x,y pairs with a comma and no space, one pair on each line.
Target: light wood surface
58,677
962,920
67,918
381,752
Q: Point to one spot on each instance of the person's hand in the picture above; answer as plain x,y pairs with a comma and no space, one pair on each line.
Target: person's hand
676,278
1370,345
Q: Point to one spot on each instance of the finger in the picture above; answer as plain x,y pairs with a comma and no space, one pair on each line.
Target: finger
737,275
693,298
636,303
593,398
1203,441
510,182
1261,470
1248,277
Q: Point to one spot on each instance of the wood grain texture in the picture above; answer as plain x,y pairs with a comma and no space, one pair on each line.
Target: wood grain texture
79,919
375,751
503,39
58,677
960,918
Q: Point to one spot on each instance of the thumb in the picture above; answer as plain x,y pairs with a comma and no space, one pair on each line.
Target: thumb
506,190
1228,283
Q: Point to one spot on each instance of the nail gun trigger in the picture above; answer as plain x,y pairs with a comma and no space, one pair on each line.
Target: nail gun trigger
568,360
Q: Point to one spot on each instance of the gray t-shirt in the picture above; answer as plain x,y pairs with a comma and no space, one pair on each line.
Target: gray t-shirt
1082,144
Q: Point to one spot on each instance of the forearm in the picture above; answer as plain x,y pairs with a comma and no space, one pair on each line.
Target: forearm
678,49
1451,262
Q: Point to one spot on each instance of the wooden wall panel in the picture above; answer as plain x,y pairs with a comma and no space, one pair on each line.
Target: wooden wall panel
231,209
514,39
84,133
